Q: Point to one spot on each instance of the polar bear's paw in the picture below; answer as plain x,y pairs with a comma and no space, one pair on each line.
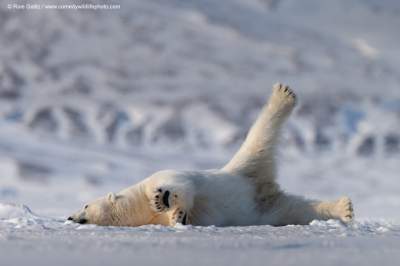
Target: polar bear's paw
283,96
179,216
343,209
163,199
160,200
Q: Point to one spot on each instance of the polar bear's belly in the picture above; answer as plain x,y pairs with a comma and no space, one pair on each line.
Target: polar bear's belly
225,202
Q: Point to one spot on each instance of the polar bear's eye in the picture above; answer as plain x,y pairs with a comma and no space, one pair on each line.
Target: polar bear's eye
86,206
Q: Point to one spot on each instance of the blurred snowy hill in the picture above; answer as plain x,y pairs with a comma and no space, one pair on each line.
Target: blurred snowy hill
111,96
179,73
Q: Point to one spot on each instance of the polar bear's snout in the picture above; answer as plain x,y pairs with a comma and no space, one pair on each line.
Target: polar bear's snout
80,219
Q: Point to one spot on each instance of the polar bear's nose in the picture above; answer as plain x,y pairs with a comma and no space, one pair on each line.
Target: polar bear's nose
82,221
70,218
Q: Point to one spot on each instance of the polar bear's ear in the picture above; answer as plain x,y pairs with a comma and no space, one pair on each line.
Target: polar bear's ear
112,197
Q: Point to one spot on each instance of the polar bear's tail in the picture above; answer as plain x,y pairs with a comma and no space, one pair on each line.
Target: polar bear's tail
256,157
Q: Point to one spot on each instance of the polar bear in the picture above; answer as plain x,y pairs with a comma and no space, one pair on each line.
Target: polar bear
243,192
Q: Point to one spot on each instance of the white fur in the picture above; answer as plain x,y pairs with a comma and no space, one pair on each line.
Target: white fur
244,192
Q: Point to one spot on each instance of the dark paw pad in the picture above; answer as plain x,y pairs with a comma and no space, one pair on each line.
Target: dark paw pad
181,217
161,199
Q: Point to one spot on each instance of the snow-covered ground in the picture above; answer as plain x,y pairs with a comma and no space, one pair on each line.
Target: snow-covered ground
94,101
27,238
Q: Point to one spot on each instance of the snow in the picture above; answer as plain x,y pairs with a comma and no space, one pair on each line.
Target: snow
94,101
47,240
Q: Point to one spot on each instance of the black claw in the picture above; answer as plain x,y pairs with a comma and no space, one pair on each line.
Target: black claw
159,190
184,219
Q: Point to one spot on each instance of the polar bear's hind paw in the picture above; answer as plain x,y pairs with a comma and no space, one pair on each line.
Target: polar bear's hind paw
284,95
344,209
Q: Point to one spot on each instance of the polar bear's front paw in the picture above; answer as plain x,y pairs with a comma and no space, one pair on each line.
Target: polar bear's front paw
283,95
179,216
343,209
163,199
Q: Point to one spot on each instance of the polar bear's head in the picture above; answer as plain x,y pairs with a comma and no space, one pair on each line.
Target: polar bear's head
99,211
127,208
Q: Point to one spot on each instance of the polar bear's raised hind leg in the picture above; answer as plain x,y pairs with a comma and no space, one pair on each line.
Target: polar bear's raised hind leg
256,157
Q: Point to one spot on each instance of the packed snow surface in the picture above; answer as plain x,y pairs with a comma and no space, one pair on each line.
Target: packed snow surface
94,101
45,240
